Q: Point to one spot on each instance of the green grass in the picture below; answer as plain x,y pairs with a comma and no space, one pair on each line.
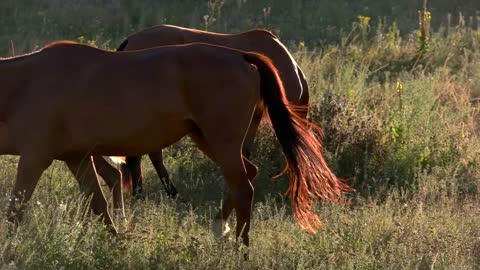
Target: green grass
30,23
397,233
402,130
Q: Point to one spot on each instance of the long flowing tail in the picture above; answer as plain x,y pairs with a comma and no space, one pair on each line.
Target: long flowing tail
310,177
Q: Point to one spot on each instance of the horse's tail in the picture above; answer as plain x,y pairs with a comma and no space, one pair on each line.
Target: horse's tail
310,176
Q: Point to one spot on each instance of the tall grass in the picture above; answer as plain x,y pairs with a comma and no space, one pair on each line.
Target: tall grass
400,124
30,23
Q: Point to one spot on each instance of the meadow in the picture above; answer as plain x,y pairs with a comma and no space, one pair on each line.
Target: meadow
399,105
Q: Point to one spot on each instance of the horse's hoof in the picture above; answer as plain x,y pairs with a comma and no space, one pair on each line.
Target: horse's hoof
172,192
112,230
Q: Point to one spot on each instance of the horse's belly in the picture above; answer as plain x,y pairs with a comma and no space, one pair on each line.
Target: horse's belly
147,141
125,135
156,137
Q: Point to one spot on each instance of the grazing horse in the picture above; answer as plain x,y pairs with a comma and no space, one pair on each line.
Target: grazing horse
69,101
261,41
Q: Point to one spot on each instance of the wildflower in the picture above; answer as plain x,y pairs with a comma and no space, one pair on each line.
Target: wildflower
364,20
399,86
62,206
92,43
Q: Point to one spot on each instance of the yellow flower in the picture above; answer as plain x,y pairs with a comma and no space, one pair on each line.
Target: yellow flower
399,86
92,43
364,20
301,44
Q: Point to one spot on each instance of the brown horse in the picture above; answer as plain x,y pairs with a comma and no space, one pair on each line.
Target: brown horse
261,41
70,101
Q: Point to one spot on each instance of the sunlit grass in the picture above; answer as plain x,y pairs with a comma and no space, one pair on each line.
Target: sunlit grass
397,233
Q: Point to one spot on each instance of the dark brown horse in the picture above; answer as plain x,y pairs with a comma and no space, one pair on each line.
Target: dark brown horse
70,101
261,41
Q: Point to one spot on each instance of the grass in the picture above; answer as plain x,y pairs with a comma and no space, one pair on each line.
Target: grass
397,233
402,129
30,23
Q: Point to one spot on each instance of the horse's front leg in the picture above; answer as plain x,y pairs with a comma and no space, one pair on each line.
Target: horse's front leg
157,161
30,168
135,168
86,175
114,179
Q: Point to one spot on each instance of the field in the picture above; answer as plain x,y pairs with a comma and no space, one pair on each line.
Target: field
399,104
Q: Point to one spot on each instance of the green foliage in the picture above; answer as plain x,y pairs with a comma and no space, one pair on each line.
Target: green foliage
27,24
423,36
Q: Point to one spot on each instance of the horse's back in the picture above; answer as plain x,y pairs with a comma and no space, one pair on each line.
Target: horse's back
257,40
215,72
80,96
164,35
183,86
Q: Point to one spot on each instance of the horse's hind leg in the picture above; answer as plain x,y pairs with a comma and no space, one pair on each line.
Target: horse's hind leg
113,177
305,98
29,170
226,152
240,190
252,130
157,161
134,165
86,175
220,225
